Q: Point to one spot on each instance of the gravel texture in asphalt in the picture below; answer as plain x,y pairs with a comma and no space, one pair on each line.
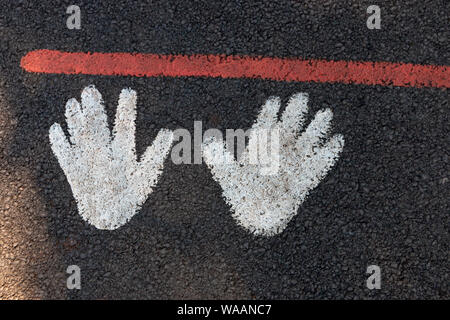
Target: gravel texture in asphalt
386,202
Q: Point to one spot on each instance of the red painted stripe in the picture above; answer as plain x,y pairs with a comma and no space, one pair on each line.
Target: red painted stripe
221,66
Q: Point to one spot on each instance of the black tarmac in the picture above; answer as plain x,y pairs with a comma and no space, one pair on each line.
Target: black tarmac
385,203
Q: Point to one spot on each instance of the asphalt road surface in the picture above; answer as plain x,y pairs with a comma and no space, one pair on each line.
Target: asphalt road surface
386,202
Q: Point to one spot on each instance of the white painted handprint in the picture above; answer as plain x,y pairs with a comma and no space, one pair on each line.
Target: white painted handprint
107,182
262,203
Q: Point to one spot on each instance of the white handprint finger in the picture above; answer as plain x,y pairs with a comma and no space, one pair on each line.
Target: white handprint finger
266,120
74,119
61,147
318,165
294,114
267,117
94,116
318,129
124,124
221,163
157,152
151,165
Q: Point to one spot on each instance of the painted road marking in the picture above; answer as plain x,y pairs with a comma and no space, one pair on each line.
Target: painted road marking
110,185
222,66
264,204
107,182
